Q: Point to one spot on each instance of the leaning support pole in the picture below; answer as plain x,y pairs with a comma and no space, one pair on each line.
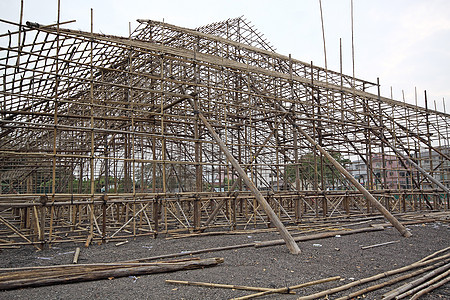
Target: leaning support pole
365,192
291,244
344,172
416,166
213,215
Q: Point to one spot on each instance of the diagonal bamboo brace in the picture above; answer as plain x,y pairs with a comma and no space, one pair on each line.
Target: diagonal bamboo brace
290,243
349,177
355,182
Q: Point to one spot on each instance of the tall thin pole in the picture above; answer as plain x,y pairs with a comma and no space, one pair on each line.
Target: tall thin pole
323,35
92,162
353,45
19,47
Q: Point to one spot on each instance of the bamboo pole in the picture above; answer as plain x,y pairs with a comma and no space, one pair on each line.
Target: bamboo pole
363,190
288,289
390,282
349,177
76,255
236,182
13,228
194,252
378,245
415,286
132,218
88,240
371,278
67,275
319,236
416,166
290,243
430,288
434,254
60,268
226,286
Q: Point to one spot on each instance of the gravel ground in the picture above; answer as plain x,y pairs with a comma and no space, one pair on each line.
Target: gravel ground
263,267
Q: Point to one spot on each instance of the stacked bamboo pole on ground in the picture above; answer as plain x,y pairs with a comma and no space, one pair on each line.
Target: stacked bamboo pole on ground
41,276
436,265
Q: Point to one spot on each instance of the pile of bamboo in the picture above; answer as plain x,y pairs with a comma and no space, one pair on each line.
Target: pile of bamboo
424,284
41,276
436,266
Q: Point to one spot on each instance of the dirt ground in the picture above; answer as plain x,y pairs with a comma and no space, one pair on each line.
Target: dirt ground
263,267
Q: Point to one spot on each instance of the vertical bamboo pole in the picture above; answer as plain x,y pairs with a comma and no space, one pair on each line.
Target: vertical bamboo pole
440,158
198,159
323,36
133,164
297,201
316,178
418,152
447,146
408,173
55,132
383,156
430,154
92,162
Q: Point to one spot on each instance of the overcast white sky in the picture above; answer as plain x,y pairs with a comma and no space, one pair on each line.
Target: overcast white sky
406,43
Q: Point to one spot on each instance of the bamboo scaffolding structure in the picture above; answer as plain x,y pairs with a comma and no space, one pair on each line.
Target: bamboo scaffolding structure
103,127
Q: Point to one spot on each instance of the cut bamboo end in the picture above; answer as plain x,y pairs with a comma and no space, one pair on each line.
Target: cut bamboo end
76,255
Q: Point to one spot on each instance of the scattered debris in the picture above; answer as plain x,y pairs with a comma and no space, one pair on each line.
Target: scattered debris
65,253
121,243
76,255
88,240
